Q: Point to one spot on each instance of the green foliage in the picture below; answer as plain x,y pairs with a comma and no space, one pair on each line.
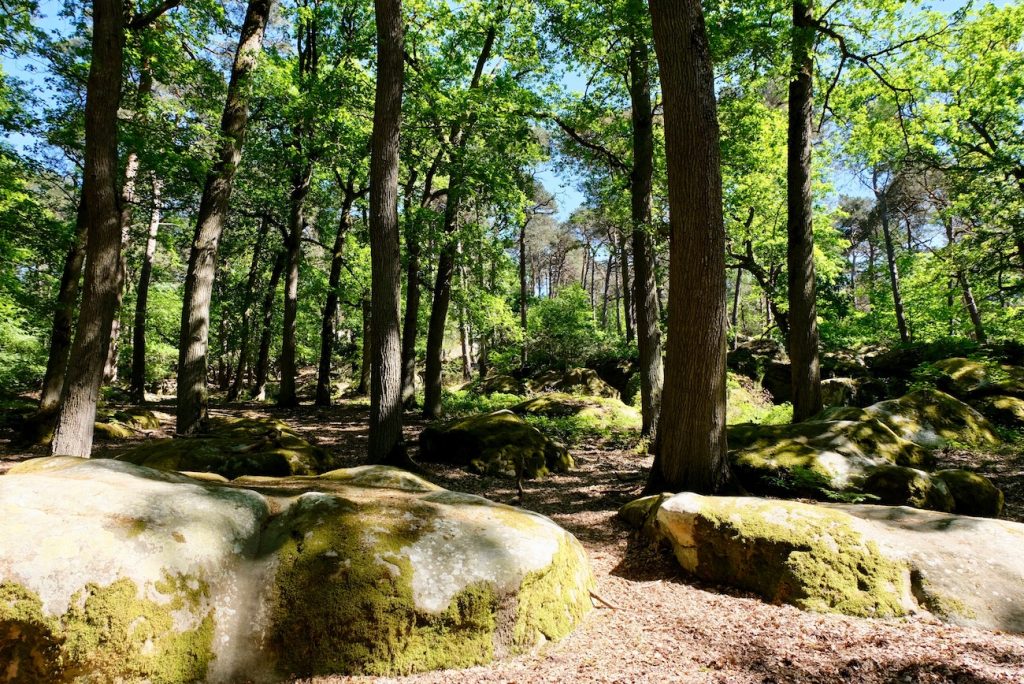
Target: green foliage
562,330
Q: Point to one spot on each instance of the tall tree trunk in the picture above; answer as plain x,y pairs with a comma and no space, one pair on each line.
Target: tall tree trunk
648,332
138,381
691,449
128,199
247,312
413,294
366,360
77,414
432,380
803,313
890,256
259,385
296,222
222,331
63,317
523,295
734,317
972,309
609,268
386,444
323,377
627,288
193,344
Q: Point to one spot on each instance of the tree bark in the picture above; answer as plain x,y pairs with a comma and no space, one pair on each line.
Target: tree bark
296,222
523,295
138,380
366,362
193,394
648,332
63,317
386,445
413,294
323,377
259,385
972,309
691,448
627,288
77,414
247,312
890,256
803,314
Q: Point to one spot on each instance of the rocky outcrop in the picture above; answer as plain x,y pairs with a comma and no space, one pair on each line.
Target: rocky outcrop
498,443
233,447
860,560
583,381
116,572
599,414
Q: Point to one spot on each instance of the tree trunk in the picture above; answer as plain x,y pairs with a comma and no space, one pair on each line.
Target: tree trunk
972,309
803,314
138,381
890,256
627,288
691,448
250,289
386,444
609,268
523,296
366,361
259,385
734,318
195,312
323,377
296,222
648,332
63,317
77,414
413,294
432,380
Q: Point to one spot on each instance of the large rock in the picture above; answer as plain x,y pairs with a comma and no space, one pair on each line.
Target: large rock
495,443
814,457
233,447
598,414
574,381
927,417
965,378
1002,409
839,392
895,485
501,384
115,572
812,557
855,559
973,494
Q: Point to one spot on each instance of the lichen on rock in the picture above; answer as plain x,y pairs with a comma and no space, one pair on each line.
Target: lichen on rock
895,485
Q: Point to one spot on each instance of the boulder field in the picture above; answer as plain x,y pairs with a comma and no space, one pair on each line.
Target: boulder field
863,560
111,571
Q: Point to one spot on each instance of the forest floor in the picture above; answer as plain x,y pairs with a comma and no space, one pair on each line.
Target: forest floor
665,627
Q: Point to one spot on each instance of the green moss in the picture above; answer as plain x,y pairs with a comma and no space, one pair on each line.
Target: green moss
109,633
932,418
553,601
29,640
641,513
1004,410
344,601
973,494
794,553
574,420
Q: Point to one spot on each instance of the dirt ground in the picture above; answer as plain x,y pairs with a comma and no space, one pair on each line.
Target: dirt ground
664,627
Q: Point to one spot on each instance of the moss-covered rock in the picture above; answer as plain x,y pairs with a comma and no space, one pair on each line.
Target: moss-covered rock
1002,409
599,415
839,391
573,381
973,494
233,447
964,377
786,552
815,457
115,572
930,418
495,443
901,486
641,514
501,384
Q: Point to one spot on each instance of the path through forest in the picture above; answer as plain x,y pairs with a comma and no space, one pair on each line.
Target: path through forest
665,627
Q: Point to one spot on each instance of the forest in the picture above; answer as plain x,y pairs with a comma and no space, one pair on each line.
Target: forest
511,340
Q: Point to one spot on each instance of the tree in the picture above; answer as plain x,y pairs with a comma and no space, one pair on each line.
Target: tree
691,449
386,444
195,312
